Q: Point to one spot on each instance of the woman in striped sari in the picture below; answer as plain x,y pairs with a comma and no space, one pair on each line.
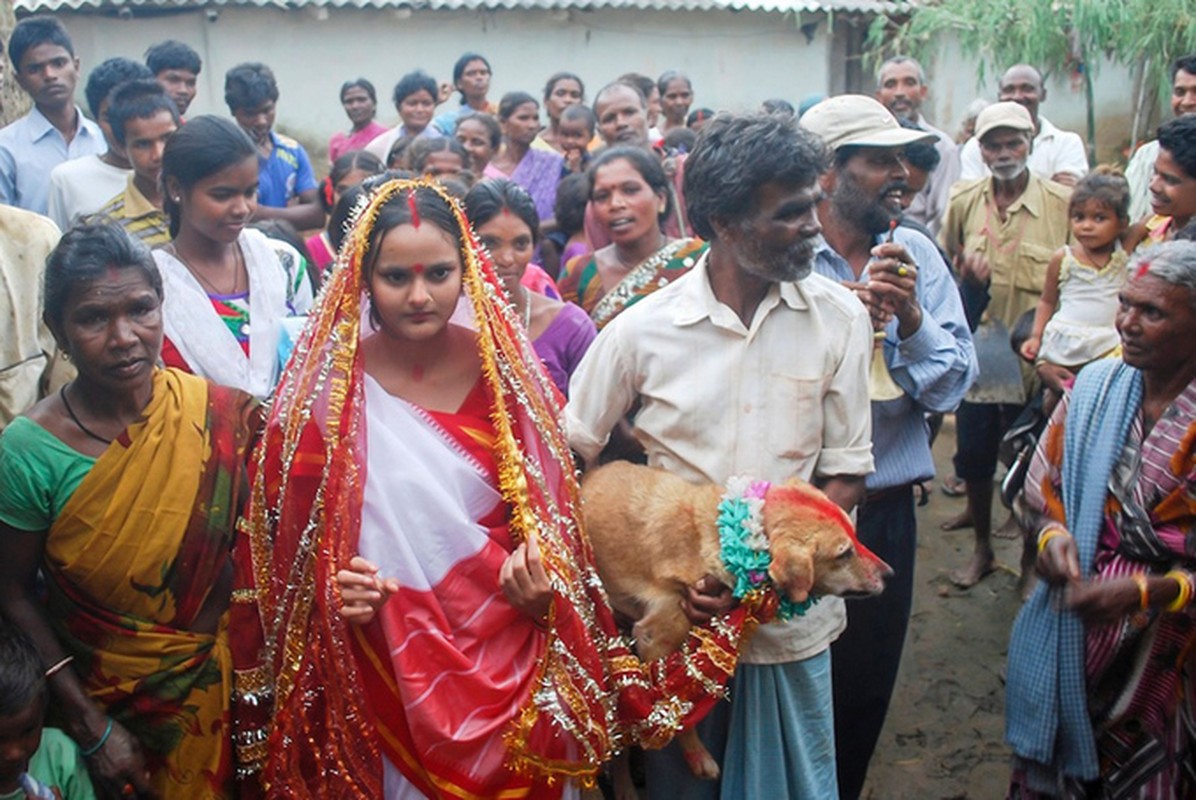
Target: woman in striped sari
1102,663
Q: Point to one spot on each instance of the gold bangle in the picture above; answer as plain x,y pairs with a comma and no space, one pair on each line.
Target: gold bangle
1187,586
1190,579
1048,534
1143,591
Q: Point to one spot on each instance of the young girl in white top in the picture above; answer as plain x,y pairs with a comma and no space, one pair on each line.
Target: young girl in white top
228,288
1073,324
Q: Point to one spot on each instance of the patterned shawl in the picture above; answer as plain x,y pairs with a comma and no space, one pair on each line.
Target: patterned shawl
1046,706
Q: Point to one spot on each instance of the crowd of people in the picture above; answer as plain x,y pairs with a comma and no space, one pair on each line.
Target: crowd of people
291,465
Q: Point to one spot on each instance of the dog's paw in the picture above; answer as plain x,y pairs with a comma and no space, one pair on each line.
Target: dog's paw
644,637
702,764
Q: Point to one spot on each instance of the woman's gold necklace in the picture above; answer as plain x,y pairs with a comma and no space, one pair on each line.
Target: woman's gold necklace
238,260
527,309
664,239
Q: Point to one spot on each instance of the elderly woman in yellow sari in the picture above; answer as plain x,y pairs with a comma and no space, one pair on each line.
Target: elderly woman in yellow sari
123,489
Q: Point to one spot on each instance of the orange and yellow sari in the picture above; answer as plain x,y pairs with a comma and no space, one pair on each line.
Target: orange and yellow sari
131,561
582,285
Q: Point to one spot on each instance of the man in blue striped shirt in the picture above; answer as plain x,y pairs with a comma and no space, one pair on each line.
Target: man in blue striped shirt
927,348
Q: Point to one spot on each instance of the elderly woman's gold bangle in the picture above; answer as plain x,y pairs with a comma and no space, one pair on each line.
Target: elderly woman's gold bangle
1048,534
1143,591
1187,587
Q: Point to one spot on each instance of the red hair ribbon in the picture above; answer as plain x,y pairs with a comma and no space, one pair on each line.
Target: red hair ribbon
329,192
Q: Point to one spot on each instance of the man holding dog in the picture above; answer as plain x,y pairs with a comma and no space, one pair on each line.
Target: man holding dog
748,365
915,308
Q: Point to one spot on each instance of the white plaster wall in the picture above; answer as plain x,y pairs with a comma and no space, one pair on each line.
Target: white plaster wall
735,60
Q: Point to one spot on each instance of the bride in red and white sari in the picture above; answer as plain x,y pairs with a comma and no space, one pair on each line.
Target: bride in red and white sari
416,436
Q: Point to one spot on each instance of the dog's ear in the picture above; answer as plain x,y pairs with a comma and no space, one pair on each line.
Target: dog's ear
792,570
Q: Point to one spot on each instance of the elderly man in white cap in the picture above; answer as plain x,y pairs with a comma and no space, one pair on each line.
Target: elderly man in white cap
1001,231
923,338
1057,154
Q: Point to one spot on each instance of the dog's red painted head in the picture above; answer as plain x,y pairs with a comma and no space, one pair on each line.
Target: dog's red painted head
814,547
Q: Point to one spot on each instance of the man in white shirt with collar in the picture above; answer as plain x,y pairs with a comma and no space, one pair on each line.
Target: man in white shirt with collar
901,88
29,358
1055,154
55,130
748,365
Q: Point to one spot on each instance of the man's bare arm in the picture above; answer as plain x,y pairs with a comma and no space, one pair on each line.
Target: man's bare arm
845,491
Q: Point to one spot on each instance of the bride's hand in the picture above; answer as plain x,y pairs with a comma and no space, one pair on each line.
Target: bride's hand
362,591
525,583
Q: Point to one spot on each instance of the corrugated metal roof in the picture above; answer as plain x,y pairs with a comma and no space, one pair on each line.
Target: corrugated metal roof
863,6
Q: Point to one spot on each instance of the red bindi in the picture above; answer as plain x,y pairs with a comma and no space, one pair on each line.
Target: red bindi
1142,270
418,269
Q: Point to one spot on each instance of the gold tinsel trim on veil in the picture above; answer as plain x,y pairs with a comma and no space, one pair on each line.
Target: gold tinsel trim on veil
590,696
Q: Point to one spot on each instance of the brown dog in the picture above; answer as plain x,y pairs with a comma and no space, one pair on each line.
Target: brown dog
654,534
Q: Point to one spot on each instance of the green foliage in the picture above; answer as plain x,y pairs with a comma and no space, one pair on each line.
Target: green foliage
1156,33
1055,35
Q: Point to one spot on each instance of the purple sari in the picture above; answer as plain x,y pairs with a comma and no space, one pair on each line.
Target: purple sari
539,173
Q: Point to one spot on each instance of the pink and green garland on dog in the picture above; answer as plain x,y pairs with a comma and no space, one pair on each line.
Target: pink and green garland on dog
744,544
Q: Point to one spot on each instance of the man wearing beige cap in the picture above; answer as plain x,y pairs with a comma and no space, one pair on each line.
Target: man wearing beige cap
1001,231
927,352
1057,154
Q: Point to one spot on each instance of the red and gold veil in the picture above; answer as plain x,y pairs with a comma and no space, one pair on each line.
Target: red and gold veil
304,725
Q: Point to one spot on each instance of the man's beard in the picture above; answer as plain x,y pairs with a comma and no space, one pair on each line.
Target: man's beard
793,263
909,113
1008,172
852,203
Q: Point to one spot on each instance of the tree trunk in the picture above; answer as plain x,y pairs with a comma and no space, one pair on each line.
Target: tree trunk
1090,100
14,103
1143,96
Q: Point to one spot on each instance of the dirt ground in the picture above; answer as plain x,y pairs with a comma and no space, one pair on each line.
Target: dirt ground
944,736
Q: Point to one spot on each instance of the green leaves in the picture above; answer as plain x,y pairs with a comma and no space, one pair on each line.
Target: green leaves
1058,36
